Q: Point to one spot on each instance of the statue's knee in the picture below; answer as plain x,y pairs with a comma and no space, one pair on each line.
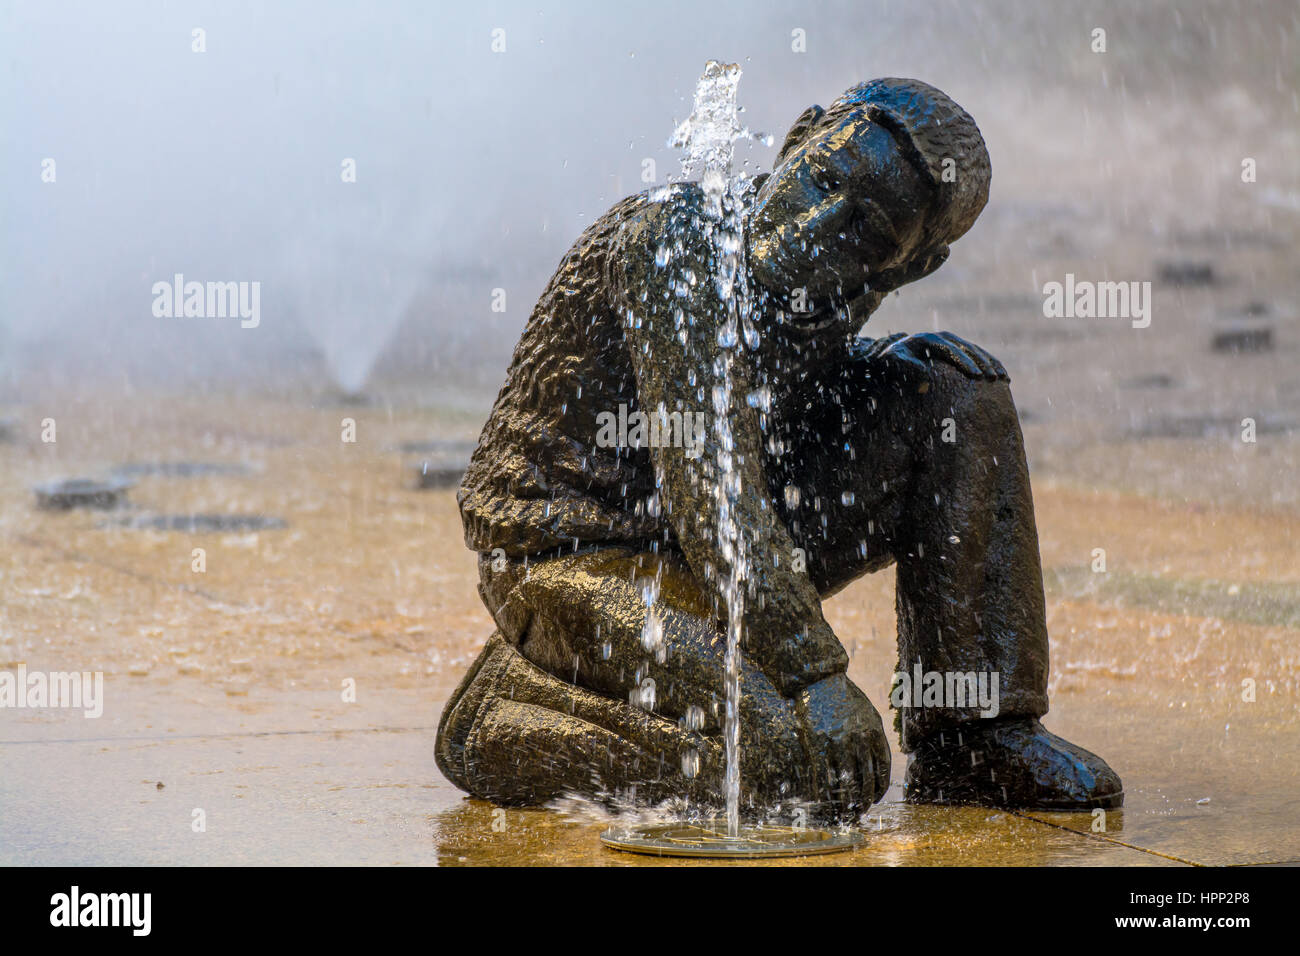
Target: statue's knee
932,360
957,391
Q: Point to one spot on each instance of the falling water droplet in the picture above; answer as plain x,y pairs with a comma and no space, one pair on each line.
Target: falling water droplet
792,496
652,633
760,398
648,693
690,764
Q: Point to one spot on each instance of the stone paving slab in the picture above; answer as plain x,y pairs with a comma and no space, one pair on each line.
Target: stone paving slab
359,789
344,797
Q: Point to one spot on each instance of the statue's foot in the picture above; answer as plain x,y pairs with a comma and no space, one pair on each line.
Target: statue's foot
1009,763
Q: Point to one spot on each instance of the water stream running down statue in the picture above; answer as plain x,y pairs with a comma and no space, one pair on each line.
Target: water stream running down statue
707,139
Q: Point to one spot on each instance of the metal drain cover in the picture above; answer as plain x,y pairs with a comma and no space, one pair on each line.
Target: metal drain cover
68,493
450,447
438,474
182,469
204,523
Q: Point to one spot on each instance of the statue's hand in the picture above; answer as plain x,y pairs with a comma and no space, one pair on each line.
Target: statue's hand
922,349
846,745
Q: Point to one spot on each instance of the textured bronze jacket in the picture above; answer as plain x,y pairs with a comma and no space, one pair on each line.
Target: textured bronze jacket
614,327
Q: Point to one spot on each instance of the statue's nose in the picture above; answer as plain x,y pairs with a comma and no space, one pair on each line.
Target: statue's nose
827,219
835,211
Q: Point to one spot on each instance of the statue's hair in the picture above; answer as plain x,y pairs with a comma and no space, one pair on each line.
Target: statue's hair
931,128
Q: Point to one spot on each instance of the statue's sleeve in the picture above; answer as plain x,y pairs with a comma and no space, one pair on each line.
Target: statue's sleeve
671,318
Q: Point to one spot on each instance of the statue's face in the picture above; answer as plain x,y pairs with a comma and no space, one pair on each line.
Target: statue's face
846,202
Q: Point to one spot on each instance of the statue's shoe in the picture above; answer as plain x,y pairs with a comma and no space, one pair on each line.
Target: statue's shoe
1012,763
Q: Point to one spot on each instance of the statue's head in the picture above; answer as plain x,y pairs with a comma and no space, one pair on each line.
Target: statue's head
869,192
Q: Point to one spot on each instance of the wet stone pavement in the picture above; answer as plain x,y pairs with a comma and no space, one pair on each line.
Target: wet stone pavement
280,705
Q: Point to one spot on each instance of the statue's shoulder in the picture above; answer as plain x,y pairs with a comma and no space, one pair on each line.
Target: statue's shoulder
658,219
632,225
659,212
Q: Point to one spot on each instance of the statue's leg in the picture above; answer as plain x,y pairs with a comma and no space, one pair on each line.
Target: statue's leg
922,463
514,734
576,627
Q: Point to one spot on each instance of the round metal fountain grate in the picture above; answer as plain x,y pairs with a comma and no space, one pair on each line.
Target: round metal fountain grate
708,839
182,469
341,398
68,493
452,447
442,461
438,474
204,523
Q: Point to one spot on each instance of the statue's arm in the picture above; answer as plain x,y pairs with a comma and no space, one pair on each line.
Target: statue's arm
785,634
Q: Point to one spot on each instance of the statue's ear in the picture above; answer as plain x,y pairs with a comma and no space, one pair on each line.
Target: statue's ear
917,268
883,283
927,265
806,121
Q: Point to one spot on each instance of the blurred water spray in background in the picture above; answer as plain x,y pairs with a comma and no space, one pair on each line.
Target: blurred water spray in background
480,156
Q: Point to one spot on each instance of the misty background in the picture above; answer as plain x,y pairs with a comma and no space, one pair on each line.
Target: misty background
476,170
